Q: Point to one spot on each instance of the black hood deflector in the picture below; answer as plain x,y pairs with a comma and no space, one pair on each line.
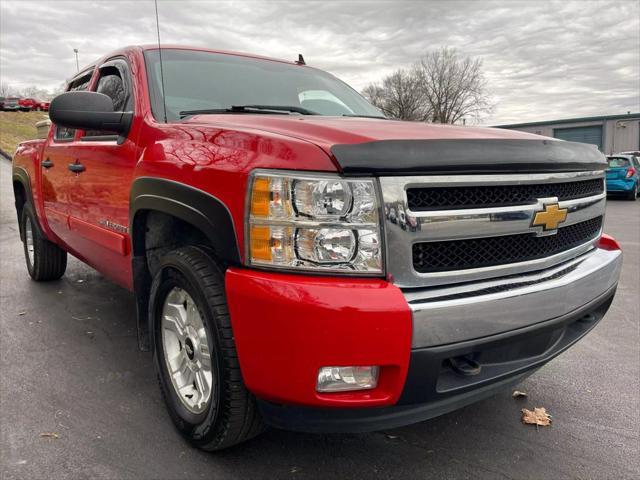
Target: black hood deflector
418,157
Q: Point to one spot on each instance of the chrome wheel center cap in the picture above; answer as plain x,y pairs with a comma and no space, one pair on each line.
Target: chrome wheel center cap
188,346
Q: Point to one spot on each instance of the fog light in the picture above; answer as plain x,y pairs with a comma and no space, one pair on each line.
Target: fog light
343,379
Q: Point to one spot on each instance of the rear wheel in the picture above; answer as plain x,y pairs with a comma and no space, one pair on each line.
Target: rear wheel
45,260
633,194
195,355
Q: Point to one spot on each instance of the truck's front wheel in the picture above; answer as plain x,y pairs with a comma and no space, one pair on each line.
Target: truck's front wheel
195,355
45,260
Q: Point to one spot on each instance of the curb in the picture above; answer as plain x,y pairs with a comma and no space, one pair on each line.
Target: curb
5,155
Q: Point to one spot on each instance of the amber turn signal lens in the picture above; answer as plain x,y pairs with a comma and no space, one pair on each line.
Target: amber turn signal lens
260,198
261,242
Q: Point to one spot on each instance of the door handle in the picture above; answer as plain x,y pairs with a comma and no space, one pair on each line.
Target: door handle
77,167
47,163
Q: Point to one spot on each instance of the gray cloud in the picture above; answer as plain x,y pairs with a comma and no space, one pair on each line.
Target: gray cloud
542,59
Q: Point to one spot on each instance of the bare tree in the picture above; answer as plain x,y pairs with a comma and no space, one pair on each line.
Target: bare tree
33,91
5,90
399,96
454,86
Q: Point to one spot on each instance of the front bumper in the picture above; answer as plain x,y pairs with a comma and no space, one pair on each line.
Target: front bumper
288,326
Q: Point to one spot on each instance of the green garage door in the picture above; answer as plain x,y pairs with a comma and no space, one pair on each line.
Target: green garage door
592,134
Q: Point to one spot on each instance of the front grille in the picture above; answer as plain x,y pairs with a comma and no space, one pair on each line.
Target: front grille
450,198
444,256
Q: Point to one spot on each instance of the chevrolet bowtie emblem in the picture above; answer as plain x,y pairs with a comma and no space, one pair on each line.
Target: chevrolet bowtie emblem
550,217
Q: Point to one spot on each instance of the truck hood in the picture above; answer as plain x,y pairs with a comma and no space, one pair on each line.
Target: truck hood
365,146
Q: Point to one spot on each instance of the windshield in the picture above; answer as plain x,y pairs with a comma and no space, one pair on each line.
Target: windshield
196,80
616,162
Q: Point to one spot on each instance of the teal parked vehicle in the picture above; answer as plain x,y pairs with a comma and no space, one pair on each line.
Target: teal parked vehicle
623,175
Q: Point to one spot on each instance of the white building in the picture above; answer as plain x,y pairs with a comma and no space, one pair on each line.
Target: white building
611,133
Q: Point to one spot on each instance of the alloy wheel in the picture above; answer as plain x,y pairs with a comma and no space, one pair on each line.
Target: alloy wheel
28,239
186,351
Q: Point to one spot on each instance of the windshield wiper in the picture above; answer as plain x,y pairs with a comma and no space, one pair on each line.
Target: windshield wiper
280,109
364,116
277,108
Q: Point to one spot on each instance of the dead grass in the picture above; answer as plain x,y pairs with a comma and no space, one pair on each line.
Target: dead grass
16,127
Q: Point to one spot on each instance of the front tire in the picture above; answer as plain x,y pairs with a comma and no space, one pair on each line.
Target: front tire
45,260
195,355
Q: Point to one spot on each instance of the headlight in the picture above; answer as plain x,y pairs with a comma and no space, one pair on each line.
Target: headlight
314,222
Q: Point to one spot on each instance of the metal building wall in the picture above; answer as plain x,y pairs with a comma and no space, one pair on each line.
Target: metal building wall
619,134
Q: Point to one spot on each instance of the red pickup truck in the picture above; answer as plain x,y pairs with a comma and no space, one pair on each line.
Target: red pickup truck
300,261
28,104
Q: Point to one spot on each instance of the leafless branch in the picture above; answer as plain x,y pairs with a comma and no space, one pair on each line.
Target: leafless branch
442,87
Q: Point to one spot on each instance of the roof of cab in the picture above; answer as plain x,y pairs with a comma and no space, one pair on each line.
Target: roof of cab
211,50
131,48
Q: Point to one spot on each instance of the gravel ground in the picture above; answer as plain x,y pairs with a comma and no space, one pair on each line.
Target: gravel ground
69,364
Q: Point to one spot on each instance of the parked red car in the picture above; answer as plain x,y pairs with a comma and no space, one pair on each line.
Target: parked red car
249,210
28,104
44,106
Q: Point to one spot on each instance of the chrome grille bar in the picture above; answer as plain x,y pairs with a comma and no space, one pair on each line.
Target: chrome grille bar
405,227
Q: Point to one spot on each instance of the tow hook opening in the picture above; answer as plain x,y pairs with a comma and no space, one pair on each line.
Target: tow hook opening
465,365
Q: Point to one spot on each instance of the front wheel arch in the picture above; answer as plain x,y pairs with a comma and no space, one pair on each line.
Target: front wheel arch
200,218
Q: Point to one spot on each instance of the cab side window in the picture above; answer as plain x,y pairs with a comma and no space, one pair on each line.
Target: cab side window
79,84
113,84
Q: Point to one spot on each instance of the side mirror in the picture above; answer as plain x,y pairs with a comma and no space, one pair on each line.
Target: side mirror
88,111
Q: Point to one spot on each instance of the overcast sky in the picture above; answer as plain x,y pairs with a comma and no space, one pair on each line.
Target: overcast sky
543,59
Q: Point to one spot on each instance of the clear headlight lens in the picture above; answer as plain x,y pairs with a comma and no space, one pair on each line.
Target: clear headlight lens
323,198
314,222
330,245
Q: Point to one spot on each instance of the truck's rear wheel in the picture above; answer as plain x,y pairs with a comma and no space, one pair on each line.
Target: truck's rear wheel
45,260
195,355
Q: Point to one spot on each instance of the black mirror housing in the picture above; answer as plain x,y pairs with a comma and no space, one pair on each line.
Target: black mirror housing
88,111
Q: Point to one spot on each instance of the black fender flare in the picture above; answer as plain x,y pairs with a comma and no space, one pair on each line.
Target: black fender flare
191,205
196,207
20,175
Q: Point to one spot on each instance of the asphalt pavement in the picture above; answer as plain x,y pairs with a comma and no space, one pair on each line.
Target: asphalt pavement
70,369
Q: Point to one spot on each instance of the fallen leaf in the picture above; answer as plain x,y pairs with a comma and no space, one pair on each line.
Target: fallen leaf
518,394
49,435
21,313
392,437
537,417
80,281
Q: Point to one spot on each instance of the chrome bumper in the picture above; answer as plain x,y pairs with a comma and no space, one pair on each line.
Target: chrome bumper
473,310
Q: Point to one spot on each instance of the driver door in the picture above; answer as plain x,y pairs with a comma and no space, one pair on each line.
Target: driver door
99,218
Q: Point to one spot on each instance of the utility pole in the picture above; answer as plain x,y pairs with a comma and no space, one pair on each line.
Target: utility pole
75,50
